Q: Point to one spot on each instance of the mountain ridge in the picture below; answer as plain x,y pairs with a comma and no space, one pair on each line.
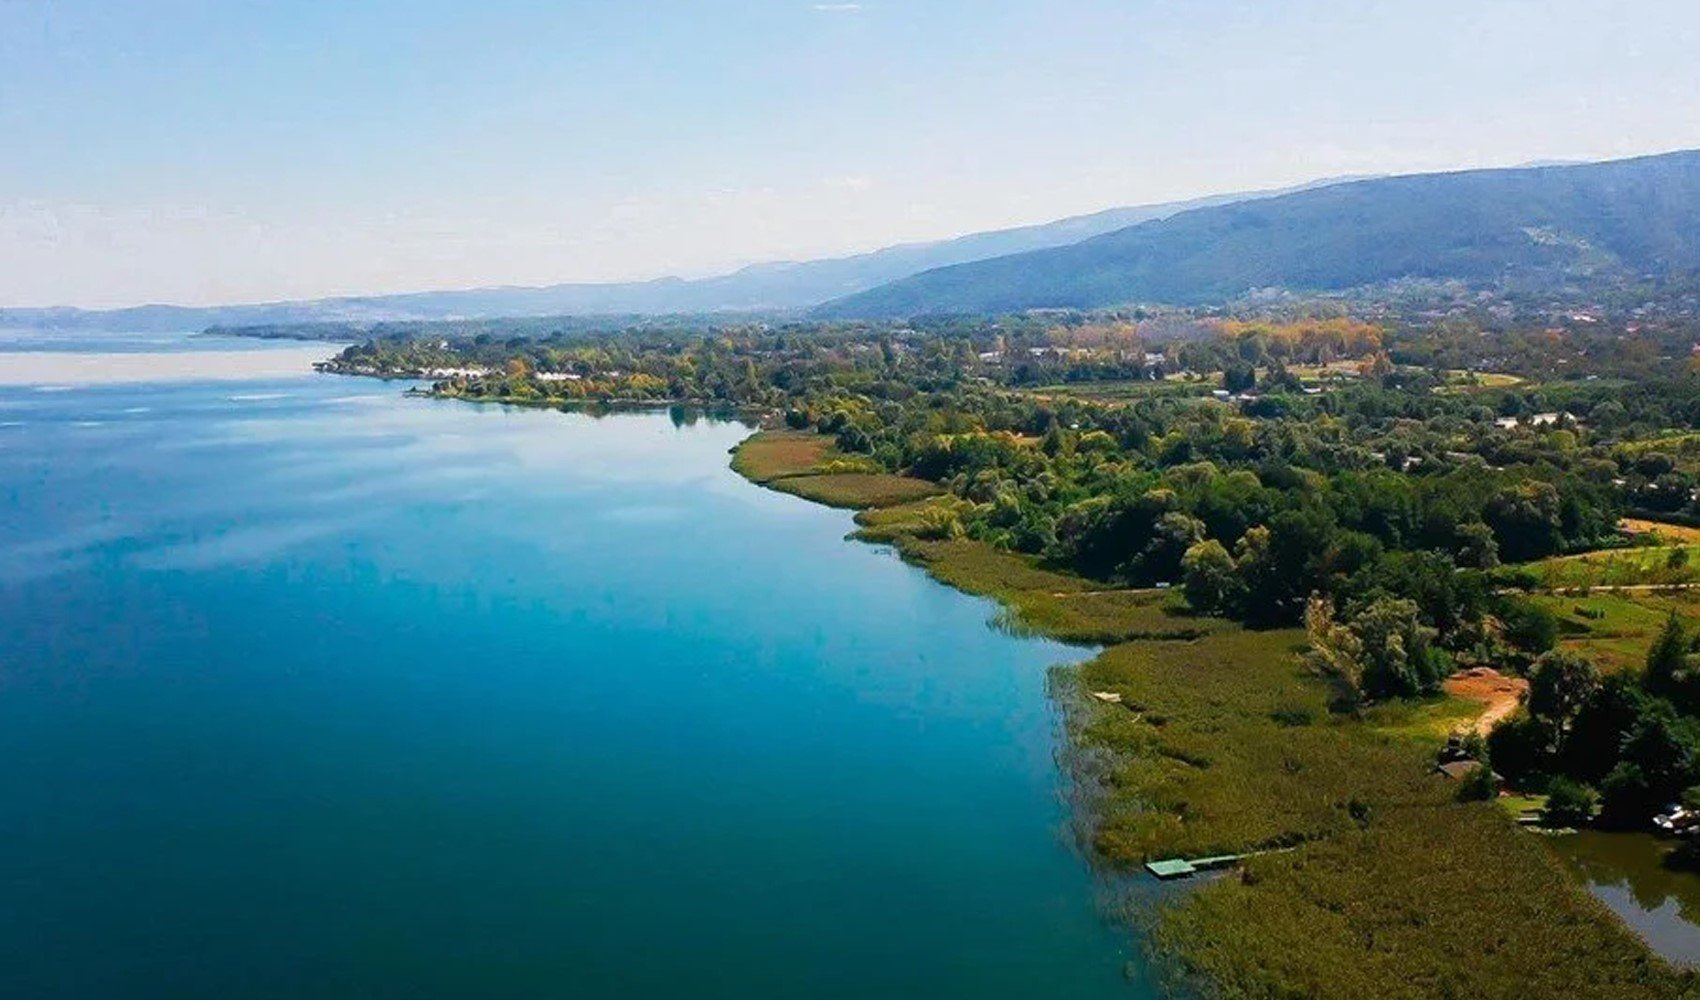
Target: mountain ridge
774,286
1615,219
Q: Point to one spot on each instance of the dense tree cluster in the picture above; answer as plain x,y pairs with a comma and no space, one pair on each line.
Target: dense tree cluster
1379,481
1633,737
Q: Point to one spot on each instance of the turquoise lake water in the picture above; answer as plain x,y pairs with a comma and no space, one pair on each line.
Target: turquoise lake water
311,689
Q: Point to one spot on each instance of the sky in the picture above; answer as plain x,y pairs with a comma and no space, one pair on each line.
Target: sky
238,151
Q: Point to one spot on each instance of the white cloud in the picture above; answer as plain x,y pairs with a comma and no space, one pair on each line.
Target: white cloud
839,8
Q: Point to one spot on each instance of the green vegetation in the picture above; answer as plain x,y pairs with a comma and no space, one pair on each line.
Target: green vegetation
770,455
806,465
1616,629
1225,742
855,490
1428,899
1041,601
1640,567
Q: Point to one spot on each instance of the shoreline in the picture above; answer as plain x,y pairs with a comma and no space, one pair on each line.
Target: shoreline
1225,935
1217,742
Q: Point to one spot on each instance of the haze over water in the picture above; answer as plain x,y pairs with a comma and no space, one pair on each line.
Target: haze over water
308,688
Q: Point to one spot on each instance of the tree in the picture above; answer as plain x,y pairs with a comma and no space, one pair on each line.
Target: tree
1569,804
1657,763
1667,660
1208,577
1562,683
1480,785
1282,564
1525,520
1519,748
1239,377
1599,730
1172,537
1336,653
1528,626
1384,651
1399,659
1476,547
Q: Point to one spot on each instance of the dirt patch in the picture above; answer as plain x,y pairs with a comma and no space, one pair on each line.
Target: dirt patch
1499,695
1677,534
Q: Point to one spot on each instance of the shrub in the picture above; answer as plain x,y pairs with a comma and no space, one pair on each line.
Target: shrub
1569,803
1479,785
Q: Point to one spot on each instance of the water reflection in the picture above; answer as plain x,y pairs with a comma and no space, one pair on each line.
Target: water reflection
1626,871
65,370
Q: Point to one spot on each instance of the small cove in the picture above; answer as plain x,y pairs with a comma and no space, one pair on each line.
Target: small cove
1626,872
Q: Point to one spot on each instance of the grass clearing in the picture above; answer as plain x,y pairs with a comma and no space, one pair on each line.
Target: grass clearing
1665,532
1615,630
768,455
1427,722
808,465
855,490
1459,380
1043,602
1657,565
1122,390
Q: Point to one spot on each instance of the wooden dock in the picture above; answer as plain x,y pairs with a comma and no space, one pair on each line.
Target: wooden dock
1173,868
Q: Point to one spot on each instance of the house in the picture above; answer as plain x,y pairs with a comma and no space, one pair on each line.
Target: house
1458,770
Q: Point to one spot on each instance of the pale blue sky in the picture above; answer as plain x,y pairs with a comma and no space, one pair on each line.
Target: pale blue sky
240,151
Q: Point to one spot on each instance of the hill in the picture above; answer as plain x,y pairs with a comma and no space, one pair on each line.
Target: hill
779,286
1553,225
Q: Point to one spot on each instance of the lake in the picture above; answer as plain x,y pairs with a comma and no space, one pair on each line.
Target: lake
310,688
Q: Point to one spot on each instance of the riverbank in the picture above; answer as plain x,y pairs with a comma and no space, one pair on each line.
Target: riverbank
1219,742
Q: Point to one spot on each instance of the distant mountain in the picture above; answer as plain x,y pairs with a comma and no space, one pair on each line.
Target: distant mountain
775,287
1573,224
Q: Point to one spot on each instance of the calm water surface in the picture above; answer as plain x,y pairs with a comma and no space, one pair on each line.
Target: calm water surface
1627,873
309,689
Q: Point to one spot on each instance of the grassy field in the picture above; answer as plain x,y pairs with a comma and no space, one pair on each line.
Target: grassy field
1459,380
1220,741
1124,390
1662,532
1428,899
1037,600
769,455
1654,565
856,491
1616,629
807,465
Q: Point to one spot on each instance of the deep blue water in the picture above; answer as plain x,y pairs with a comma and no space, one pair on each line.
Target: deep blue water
311,689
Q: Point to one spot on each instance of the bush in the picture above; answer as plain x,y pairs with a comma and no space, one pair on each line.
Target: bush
1479,785
1569,803
1530,627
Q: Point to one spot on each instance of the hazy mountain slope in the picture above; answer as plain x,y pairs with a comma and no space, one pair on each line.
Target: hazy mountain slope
1616,219
773,286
